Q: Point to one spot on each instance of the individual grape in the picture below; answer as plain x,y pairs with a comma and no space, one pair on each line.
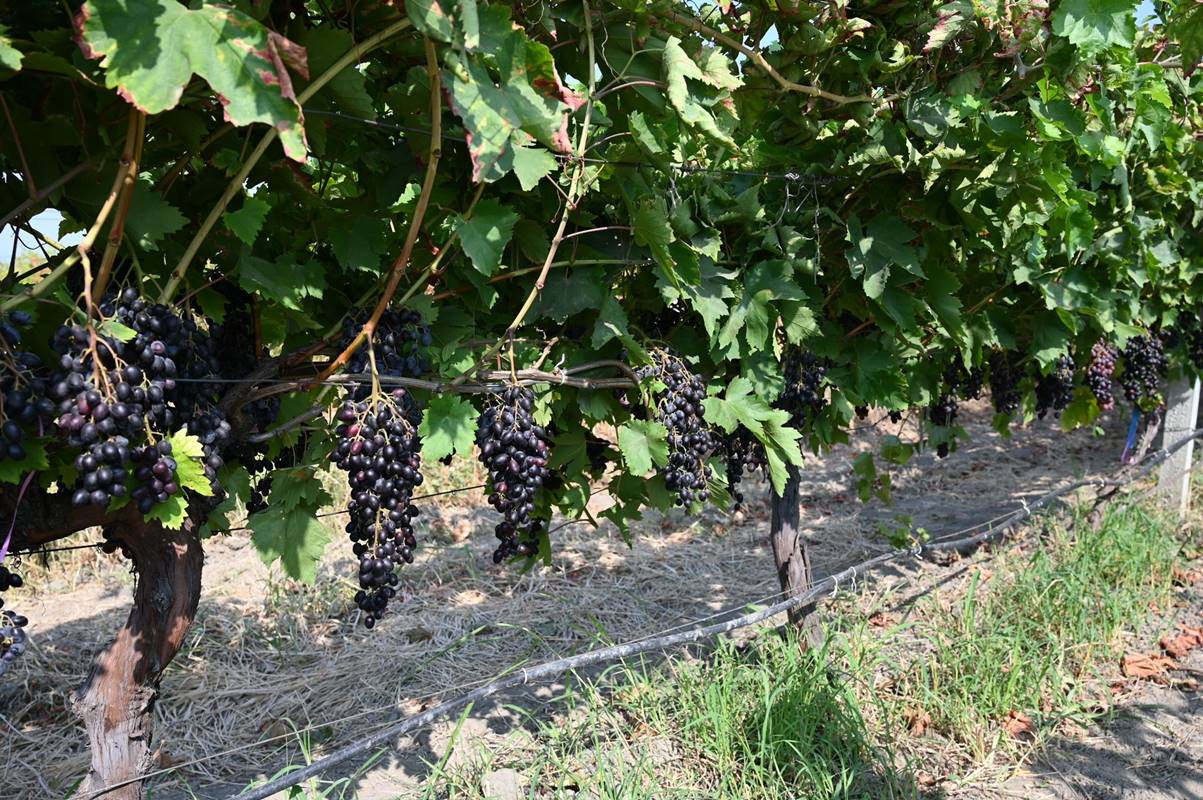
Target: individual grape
1145,366
1055,390
1103,357
690,441
803,397
1005,376
514,449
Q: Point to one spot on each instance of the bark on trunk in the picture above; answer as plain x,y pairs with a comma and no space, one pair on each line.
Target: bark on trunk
791,557
117,700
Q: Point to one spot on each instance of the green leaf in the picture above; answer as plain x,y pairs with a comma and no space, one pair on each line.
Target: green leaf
951,19
1096,24
292,536
151,217
431,18
740,406
359,243
531,165
448,426
643,443
284,281
485,235
171,513
10,57
678,69
649,223
528,105
611,322
35,461
117,330
1186,27
246,222
876,249
236,482
189,457
151,48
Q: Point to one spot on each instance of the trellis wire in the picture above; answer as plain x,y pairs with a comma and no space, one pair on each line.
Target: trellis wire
823,588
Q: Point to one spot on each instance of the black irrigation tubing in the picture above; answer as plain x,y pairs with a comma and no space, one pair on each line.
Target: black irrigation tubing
683,167
823,588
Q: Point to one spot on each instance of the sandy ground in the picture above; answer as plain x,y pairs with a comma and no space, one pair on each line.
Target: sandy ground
268,657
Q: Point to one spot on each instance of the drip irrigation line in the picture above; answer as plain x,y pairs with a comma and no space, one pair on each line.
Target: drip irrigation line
681,166
826,587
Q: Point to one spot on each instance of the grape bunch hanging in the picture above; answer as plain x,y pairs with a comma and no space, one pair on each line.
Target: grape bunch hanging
1103,357
804,395
742,453
943,413
1145,367
514,450
380,450
1005,376
1055,389
118,399
12,624
690,441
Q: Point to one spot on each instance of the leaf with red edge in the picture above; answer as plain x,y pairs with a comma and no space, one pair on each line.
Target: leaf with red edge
150,49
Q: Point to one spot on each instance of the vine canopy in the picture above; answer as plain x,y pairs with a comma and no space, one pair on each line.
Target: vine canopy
577,195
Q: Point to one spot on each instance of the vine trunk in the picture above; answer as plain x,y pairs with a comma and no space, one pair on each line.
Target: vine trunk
791,556
116,702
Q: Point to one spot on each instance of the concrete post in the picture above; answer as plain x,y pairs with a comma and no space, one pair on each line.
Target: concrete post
1181,414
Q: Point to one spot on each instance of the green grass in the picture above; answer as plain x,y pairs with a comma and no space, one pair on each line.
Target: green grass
1034,635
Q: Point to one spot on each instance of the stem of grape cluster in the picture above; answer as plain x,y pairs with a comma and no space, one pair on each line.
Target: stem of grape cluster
415,224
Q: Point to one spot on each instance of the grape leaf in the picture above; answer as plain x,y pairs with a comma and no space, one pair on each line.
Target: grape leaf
171,513
292,536
236,482
448,426
883,244
740,406
246,222
347,91
360,242
678,67
10,57
431,18
117,330
1095,24
531,165
151,217
643,443
284,281
151,48
485,235
189,457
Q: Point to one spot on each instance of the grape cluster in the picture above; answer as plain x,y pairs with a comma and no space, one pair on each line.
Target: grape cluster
1098,375
1055,390
155,471
803,397
1145,366
12,624
965,383
23,401
1005,376
943,413
742,453
514,449
690,441
380,450
397,343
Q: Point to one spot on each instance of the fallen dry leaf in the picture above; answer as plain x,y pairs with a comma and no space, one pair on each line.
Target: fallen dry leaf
883,620
1178,646
917,721
1018,725
926,780
1146,665
1187,577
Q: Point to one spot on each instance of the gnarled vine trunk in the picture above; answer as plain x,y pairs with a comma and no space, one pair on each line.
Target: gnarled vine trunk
791,557
117,700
